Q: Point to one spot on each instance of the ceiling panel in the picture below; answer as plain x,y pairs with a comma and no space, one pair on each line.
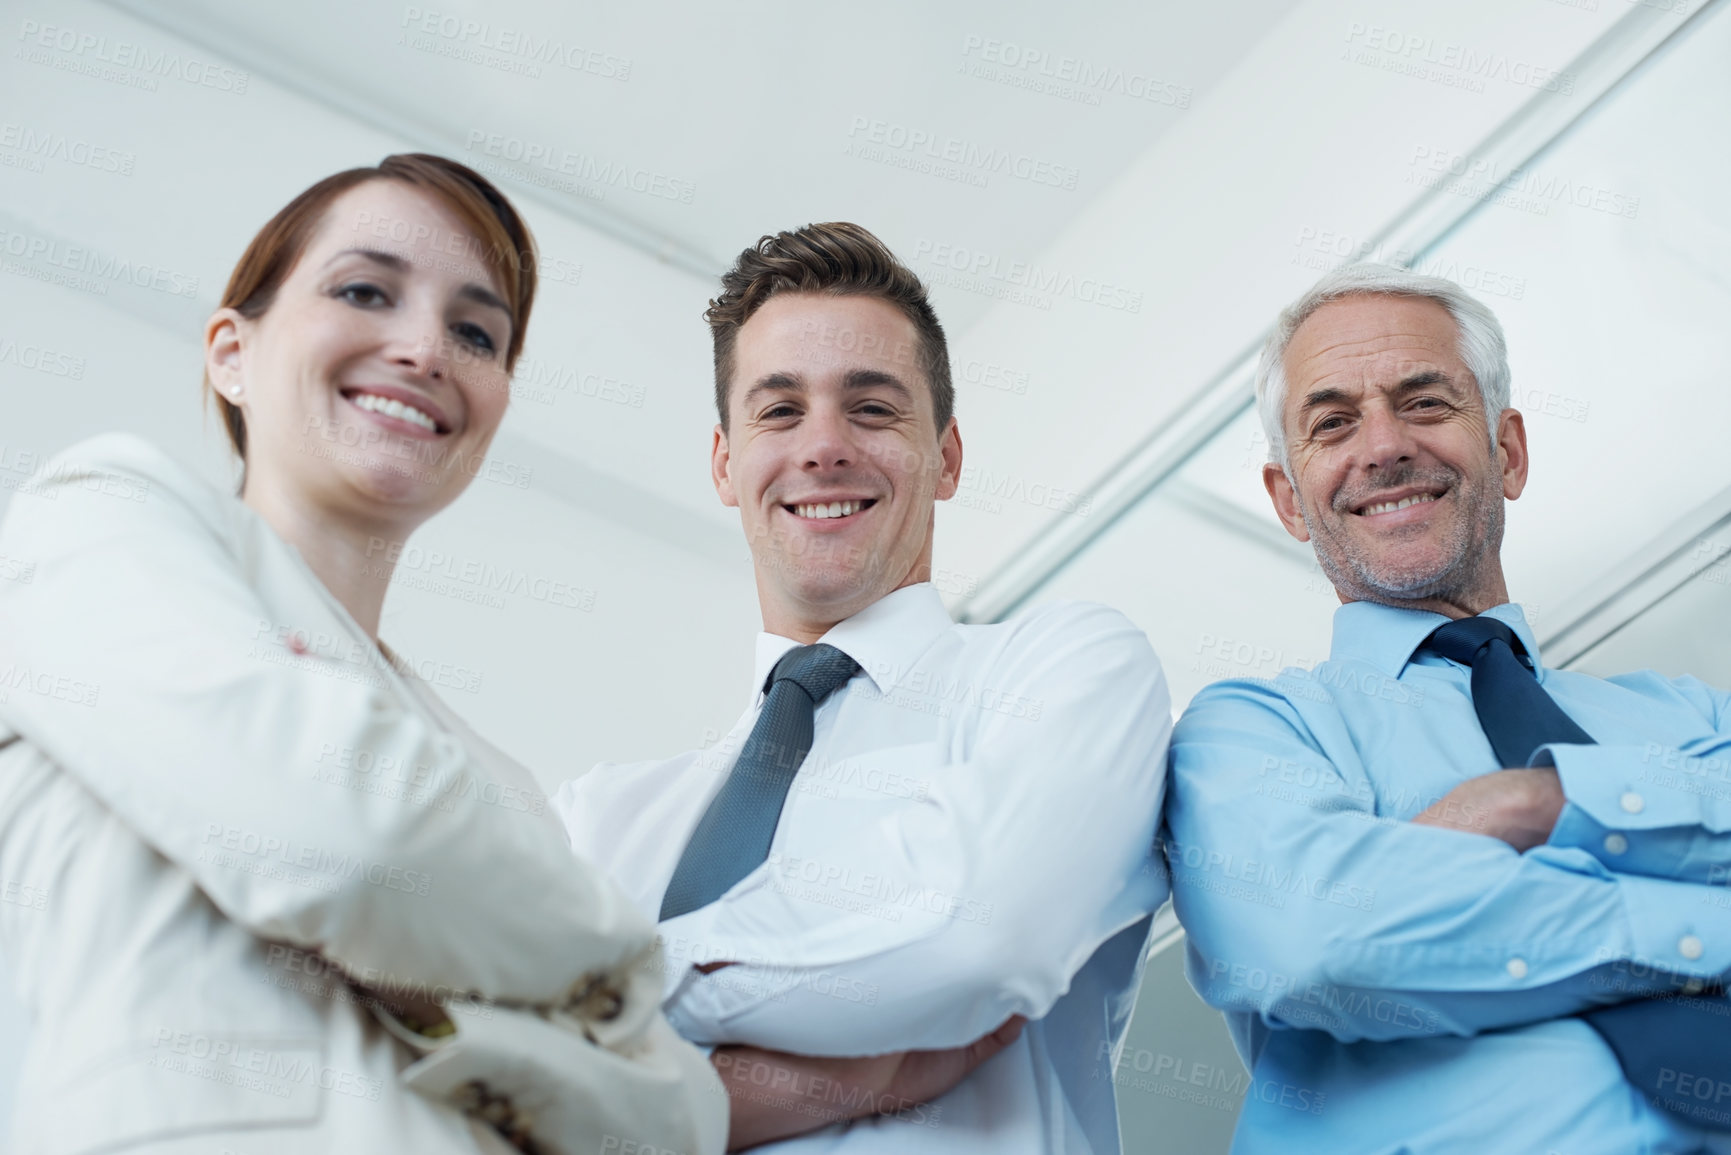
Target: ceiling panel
1606,261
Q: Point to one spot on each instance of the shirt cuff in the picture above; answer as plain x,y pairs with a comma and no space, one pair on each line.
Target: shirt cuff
702,1005
1677,927
1615,789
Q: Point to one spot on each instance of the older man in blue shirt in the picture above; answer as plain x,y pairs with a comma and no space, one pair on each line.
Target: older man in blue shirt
1419,876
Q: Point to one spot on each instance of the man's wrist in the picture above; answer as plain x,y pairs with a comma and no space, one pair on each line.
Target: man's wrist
784,1079
772,1095
1543,803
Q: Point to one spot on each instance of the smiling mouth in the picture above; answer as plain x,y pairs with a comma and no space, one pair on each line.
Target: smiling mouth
391,407
1391,506
824,510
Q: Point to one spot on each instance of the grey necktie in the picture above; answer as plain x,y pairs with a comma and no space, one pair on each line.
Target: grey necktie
734,834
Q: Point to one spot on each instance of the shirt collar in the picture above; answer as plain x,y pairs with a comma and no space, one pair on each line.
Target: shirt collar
884,638
1386,636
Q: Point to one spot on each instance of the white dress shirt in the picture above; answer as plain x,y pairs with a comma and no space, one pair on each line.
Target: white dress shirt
968,839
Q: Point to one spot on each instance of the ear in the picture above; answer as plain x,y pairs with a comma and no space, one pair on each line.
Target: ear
950,461
1512,442
718,463
224,352
1285,499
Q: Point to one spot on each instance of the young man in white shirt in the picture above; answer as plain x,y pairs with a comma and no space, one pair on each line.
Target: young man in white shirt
918,831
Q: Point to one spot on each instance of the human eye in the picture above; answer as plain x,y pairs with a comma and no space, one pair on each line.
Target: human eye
363,294
876,410
475,336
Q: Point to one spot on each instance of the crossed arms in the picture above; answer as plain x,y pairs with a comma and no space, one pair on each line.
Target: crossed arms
197,728
1392,929
1086,776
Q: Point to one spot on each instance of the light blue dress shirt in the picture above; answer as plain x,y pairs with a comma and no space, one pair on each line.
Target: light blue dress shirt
1402,988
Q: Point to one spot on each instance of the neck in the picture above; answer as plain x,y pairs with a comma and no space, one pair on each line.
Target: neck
342,553
803,623
803,632
806,623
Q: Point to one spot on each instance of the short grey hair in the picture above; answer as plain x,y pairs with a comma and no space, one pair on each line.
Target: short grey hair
1481,339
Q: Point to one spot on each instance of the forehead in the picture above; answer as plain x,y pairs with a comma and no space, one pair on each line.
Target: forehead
1364,341
821,337
393,217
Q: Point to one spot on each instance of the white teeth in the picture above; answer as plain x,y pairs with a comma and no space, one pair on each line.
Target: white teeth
391,407
825,510
1391,506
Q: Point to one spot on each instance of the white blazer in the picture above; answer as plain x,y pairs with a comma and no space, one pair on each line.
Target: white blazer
217,799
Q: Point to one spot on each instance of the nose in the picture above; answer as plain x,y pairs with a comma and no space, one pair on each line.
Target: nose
827,439
1385,441
419,342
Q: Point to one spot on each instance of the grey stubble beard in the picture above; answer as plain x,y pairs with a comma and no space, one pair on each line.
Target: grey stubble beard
1476,535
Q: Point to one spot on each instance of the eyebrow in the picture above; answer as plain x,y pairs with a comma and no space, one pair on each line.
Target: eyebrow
856,379
471,291
1329,395
773,383
876,379
1425,377
1318,397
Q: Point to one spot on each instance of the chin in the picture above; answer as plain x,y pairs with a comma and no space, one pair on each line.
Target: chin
400,484
1409,578
835,588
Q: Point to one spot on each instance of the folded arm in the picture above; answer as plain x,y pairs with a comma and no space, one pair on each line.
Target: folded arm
774,1095
1045,826
1651,808
1306,908
151,668
1640,808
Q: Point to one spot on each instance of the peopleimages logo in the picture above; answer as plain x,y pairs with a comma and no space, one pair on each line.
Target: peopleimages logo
1527,189
874,139
1457,65
40,145
466,36
85,262
1073,78
42,359
963,267
86,50
538,157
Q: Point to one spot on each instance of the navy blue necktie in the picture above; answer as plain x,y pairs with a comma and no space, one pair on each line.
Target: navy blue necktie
733,836
1667,1046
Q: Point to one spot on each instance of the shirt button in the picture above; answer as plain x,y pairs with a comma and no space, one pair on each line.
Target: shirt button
1633,803
1517,968
1615,844
1690,947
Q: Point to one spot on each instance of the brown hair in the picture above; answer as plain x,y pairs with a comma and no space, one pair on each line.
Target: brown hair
501,239
838,259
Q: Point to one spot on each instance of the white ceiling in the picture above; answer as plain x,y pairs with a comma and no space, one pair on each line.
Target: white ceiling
1289,144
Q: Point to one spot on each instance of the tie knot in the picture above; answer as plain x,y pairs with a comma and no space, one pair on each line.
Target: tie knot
819,670
1461,640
